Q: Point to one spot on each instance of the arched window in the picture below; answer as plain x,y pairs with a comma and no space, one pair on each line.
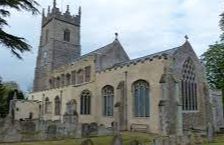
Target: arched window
47,106
67,35
62,80
108,100
73,77
85,102
68,79
80,75
58,82
141,98
57,107
189,86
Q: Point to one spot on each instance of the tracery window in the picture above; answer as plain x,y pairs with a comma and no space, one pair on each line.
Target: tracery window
57,103
141,98
189,86
67,35
47,106
108,100
85,102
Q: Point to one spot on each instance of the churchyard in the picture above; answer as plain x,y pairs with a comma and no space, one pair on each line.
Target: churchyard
128,138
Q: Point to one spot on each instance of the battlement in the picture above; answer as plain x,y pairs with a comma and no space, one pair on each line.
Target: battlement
55,13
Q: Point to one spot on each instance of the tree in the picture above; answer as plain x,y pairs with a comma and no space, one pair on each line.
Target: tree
7,91
16,44
214,62
213,59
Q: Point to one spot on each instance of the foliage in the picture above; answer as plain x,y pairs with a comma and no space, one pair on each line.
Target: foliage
214,62
6,95
16,44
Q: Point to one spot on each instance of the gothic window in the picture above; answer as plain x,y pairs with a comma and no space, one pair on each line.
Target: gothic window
87,73
57,107
47,106
67,35
62,80
141,98
68,79
71,107
108,100
73,77
58,82
189,86
80,76
85,102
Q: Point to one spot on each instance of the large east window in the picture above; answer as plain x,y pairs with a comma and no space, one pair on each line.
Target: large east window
189,86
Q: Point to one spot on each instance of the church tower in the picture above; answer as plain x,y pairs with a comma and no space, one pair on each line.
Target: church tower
59,43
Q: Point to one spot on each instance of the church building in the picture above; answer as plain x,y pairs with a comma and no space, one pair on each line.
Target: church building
163,93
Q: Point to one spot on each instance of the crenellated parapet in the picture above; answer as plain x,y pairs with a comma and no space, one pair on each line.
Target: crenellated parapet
55,13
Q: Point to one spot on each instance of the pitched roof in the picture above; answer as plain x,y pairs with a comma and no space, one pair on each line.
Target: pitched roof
102,50
164,53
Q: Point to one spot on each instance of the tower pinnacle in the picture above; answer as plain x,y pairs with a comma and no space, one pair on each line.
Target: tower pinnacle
54,4
67,9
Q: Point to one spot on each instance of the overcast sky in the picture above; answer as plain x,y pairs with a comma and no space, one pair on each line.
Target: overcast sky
144,27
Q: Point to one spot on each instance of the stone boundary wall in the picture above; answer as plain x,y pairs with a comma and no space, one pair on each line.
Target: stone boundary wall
40,130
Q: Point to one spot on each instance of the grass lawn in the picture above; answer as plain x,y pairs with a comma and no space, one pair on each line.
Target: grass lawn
219,140
106,140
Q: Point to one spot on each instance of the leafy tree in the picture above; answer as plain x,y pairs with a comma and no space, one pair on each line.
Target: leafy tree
16,44
6,95
214,61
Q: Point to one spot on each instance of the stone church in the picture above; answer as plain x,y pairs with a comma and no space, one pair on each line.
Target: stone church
163,93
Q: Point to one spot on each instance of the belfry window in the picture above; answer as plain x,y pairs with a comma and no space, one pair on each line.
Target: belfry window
85,102
108,100
67,35
57,108
189,86
46,36
141,98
